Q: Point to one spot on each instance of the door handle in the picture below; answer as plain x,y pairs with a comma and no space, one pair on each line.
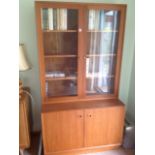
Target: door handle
89,115
80,116
79,30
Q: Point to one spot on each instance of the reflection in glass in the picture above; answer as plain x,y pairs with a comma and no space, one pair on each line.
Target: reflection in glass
101,52
61,88
60,43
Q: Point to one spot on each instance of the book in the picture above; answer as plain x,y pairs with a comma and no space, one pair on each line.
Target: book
96,19
109,23
101,27
54,19
50,19
63,19
115,20
87,66
115,25
102,20
91,19
44,17
58,19
72,19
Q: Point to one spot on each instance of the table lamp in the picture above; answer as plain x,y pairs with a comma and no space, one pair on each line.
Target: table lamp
23,66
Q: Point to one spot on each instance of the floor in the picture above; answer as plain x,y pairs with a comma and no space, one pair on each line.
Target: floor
33,150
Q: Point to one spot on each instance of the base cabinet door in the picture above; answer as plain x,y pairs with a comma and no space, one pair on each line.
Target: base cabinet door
62,130
103,126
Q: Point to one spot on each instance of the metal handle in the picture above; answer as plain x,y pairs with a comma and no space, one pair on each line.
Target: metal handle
80,30
89,115
80,116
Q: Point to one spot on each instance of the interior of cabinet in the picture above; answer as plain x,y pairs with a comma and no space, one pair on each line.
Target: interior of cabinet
60,44
101,51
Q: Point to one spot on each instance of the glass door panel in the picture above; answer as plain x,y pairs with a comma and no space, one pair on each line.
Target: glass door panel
60,42
101,53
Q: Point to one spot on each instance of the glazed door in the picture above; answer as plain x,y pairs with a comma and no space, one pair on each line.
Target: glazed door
103,126
62,130
80,48
103,50
60,45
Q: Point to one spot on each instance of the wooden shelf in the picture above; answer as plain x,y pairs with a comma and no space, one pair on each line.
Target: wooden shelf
60,56
60,78
96,76
60,31
70,105
102,31
101,55
98,90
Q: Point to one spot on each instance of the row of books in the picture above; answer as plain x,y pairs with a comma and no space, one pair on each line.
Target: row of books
98,20
54,19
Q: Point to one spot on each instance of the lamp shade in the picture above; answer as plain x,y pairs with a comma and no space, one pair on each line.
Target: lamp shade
23,64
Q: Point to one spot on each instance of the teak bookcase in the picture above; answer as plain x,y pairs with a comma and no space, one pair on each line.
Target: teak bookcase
80,51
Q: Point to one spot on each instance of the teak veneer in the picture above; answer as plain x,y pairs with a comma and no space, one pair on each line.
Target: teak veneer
77,115
82,127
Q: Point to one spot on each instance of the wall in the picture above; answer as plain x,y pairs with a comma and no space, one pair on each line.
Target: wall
27,35
131,96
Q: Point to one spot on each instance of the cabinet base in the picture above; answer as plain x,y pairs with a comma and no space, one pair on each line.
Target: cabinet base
85,150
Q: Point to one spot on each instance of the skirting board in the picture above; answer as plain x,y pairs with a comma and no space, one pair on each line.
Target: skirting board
85,150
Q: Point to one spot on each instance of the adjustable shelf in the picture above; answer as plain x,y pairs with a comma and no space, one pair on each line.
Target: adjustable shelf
100,76
102,31
60,78
101,55
60,56
60,31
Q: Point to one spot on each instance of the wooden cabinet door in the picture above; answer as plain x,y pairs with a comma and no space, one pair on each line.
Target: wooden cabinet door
104,126
62,130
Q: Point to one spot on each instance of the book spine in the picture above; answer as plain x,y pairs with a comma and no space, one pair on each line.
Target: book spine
61,19
50,18
58,19
91,19
109,24
44,14
87,66
54,19
97,16
113,40
65,19
102,20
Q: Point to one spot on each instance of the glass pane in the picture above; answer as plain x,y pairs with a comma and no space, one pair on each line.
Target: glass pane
59,19
101,51
61,88
60,42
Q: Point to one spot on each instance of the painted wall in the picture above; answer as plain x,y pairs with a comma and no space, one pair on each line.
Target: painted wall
27,35
131,95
